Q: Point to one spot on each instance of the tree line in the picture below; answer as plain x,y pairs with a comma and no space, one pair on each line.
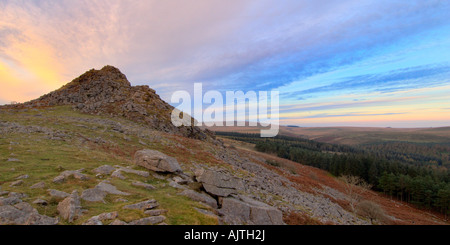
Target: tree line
421,182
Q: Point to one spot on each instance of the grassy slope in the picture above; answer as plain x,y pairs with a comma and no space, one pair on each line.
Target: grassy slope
43,159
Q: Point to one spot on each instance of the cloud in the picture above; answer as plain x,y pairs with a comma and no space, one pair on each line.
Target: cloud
402,79
232,44
229,45
327,106
326,115
328,40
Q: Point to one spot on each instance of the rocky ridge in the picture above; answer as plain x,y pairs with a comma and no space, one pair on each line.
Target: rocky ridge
108,92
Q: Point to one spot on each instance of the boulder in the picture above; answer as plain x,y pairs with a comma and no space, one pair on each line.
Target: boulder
148,220
158,176
99,192
59,179
10,215
105,169
177,186
93,195
80,176
155,212
110,189
9,200
145,205
70,208
133,171
180,181
244,210
93,221
156,161
24,214
40,202
218,183
57,194
118,222
17,195
144,185
25,176
66,174
39,185
200,197
118,174
107,216
24,206
120,200
16,183
97,220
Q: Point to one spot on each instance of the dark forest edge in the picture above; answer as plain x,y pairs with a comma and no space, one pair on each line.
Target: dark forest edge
414,173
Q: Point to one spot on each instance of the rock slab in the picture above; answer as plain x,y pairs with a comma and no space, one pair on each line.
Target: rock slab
156,161
145,205
24,214
244,210
70,208
218,183
99,192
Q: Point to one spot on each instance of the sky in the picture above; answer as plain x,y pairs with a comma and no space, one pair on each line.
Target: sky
371,63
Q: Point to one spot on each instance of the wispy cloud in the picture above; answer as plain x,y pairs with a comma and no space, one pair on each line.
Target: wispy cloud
310,50
326,115
302,107
402,79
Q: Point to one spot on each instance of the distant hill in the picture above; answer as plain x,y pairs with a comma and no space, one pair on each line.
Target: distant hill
356,135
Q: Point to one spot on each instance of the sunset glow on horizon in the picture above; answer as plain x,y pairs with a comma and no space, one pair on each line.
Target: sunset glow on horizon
336,63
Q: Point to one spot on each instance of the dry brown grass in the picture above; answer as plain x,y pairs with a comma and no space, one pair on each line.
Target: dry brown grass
309,179
295,218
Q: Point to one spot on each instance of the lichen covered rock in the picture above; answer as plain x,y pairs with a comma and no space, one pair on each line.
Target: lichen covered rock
156,161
